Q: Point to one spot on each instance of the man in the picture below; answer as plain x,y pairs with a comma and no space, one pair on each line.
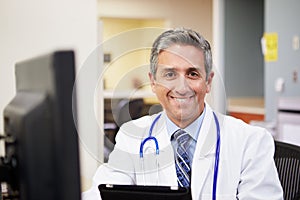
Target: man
216,155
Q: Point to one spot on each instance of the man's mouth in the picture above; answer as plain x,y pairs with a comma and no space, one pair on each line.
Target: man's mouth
181,99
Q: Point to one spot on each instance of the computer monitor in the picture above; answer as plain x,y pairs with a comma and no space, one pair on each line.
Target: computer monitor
39,120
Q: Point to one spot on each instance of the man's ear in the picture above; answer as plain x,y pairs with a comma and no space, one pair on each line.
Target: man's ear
209,81
152,81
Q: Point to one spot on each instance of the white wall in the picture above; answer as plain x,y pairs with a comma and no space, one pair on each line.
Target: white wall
30,28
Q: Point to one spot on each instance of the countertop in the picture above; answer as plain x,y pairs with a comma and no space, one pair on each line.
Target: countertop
251,105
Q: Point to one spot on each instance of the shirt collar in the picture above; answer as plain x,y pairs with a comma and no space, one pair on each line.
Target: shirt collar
193,129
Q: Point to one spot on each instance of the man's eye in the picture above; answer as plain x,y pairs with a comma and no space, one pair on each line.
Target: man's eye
193,74
169,74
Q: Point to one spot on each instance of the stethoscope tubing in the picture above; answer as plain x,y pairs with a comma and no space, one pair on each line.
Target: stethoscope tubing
216,168
217,153
150,137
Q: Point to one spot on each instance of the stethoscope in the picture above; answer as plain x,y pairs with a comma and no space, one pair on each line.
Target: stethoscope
216,167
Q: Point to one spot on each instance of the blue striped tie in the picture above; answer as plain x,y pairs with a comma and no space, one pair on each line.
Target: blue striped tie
182,160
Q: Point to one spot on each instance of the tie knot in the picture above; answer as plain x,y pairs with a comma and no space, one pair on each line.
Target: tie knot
181,136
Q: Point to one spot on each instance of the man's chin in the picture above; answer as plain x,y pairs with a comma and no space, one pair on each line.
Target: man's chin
184,115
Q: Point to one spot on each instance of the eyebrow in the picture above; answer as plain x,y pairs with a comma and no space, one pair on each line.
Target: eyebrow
194,68
169,67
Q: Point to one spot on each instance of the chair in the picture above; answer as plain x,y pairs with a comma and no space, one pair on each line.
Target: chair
126,110
129,109
287,160
154,109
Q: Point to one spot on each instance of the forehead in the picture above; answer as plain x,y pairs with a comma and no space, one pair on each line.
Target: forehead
180,56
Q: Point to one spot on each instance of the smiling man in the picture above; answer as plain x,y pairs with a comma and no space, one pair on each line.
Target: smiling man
188,144
181,83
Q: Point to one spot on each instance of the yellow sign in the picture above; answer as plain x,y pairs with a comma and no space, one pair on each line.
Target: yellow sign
270,46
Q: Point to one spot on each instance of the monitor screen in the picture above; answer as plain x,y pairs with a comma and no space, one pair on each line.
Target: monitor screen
39,119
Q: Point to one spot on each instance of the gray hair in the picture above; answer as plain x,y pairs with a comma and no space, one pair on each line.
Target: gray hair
180,36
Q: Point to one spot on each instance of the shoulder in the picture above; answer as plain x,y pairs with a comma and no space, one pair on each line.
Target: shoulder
140,123
137,128
233,123
244,142
131,133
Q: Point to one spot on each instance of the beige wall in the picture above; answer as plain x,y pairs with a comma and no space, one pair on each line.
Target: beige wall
195,14
130,64
123,15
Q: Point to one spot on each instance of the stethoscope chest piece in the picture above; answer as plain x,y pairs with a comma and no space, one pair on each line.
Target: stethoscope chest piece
150,138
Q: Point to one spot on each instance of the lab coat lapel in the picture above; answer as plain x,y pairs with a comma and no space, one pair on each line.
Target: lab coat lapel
204,153
166,160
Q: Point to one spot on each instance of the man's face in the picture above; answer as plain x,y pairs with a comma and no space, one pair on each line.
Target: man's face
180,83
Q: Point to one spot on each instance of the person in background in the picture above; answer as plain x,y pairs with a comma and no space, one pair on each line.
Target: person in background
217,156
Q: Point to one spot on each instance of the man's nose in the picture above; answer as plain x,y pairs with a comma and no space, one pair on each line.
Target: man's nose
182,86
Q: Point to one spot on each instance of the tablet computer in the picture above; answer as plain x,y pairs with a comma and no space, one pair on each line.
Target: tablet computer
137,192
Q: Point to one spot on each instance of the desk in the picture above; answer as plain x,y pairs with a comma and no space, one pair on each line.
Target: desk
288,120
148,96
124,94
246,108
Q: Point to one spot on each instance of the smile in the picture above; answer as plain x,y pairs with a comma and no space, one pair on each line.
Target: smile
181,99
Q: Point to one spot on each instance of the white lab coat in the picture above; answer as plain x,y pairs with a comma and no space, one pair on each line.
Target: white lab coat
246,166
